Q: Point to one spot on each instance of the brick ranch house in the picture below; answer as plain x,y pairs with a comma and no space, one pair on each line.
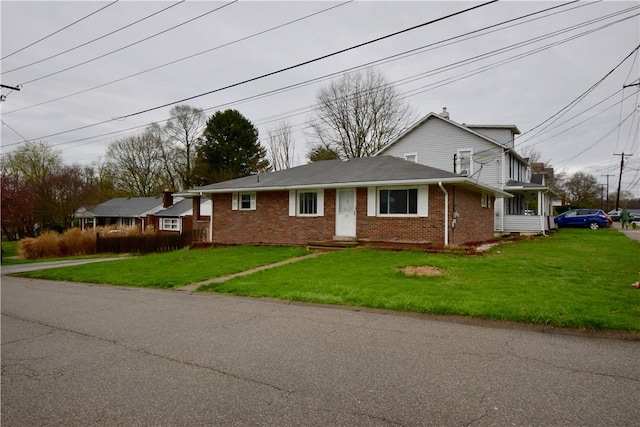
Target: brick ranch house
375,199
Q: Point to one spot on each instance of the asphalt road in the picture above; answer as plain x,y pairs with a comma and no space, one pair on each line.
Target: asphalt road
76,354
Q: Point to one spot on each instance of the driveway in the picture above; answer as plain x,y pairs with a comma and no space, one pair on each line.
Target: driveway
78,354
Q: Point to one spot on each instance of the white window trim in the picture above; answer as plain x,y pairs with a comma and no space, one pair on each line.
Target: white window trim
459,162
373,196
236,202
165,228
294,202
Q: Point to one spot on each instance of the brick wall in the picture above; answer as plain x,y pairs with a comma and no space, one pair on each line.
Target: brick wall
270,223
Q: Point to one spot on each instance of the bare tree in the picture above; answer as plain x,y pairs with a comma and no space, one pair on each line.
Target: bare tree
137,165
281,146
581,190
358,115
33,161
183,129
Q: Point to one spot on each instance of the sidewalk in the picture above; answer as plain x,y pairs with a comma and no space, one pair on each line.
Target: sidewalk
630,232
21,268
194,286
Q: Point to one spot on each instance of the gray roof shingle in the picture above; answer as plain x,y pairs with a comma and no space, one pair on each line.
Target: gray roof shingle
336,172
127,207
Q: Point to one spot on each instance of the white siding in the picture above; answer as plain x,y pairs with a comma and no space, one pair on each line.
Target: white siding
436,142
503,136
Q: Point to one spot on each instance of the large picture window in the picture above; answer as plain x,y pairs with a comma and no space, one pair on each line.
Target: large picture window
399,202
308,203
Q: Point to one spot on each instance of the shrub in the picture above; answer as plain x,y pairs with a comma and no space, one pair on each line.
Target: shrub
44,246
52,245
77,242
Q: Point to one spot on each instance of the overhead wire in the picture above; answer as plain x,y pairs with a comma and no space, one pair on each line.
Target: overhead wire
574,102
277,71
130,44
184,58
93,40
310,61
61,29
302,110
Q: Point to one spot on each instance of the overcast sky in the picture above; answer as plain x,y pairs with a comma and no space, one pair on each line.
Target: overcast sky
538,66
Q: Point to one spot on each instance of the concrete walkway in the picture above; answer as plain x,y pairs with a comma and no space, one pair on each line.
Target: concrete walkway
630,232
194,286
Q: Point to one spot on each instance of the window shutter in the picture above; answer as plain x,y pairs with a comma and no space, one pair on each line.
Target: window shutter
320,203
234,201
292,202
253,202
371,201
423,200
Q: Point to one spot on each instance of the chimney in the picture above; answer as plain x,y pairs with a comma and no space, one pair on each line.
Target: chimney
444,113
167,198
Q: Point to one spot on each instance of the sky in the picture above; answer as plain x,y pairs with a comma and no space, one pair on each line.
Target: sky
91,72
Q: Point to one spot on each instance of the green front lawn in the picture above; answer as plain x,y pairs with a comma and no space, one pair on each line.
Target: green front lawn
172,269
576,278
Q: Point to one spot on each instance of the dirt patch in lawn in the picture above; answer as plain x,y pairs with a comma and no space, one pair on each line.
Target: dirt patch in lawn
423,270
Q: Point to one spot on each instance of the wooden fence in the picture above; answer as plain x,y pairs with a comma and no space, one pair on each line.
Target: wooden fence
143,244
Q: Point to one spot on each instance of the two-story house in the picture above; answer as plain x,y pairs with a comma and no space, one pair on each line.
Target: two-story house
485,153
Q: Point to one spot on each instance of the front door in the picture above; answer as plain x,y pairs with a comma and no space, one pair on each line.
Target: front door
346,212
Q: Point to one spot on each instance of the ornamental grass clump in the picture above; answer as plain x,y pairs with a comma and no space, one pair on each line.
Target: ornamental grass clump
44,246
50,244
75,242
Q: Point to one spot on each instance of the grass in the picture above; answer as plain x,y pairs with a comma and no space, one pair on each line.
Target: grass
575,278
173,269
11,252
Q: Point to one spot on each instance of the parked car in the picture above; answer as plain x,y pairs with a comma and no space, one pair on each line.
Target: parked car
615,214
634,214
592,218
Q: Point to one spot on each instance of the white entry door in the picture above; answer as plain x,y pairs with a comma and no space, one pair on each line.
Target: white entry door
346,213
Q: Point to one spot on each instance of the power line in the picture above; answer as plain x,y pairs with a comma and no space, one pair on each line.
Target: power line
565,109
309,61
61,29
96,39
131,44
406,95
183,58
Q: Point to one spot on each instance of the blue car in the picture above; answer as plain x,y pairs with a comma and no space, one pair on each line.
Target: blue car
592,218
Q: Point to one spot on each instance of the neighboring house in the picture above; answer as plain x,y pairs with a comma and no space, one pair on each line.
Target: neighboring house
484,154
121,211
178,218
376,199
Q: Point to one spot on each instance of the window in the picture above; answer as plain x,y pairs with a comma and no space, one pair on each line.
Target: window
308,203
127,222
464,162
485,201
399,202
243,201
170,224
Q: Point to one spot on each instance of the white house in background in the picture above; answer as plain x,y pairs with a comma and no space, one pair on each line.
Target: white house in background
486,154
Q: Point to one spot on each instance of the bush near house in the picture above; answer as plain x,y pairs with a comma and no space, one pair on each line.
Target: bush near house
73,242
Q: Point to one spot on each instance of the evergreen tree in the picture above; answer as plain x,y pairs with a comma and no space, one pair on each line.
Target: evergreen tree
229,148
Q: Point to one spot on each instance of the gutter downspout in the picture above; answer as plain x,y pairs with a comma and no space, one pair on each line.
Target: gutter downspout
446,214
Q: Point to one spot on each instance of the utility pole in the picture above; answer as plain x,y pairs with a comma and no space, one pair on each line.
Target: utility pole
622,156
608,175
